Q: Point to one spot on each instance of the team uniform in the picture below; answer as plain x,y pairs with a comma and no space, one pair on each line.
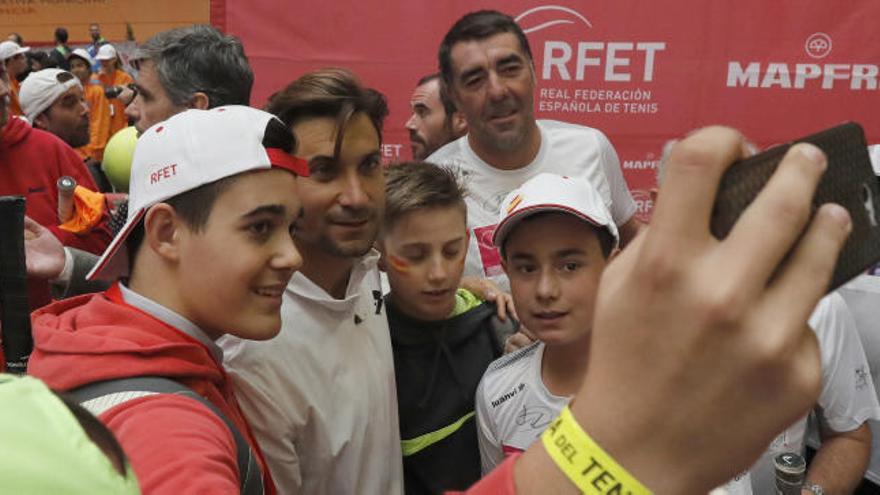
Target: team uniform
99,120
14,104
513,405
566,149
118,119
438,365
174,443
321,395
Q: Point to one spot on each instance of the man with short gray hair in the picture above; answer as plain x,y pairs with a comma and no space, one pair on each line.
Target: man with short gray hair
191,67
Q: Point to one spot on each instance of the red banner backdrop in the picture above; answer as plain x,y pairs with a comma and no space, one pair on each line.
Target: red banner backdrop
642,72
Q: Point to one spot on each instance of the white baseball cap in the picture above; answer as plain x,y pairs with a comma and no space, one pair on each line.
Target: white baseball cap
551,192
191,149
106,52
83,54
9,49
42,88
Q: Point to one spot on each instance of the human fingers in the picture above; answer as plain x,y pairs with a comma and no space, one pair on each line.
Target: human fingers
516,341
691,180
803,278
768,227
528,333
507,302
32,229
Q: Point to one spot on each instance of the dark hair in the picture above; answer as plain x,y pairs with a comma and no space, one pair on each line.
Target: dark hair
98,433
412,186
448,106
194,206
606,240
477,26
61,35
17,38
330,92
199,58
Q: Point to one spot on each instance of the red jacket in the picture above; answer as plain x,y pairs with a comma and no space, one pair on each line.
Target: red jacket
497,482
175,445
31,162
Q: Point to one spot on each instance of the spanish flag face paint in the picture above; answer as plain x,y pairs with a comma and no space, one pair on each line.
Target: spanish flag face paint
399,264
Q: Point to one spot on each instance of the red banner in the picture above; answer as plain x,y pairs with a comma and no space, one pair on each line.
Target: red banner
642,72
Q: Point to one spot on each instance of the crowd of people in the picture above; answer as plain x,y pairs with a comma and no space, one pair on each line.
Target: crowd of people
271,309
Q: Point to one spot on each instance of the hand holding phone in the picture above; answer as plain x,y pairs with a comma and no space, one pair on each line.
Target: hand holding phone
848,181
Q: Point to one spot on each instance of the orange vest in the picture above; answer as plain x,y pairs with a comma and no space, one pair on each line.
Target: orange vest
99,120
118,120
14,105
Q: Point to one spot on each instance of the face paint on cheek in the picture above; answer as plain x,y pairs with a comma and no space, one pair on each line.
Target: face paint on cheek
400,265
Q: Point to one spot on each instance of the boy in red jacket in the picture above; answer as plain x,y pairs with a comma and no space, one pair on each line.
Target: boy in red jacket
207,250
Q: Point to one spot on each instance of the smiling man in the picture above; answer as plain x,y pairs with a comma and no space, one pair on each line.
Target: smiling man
487,68
321,396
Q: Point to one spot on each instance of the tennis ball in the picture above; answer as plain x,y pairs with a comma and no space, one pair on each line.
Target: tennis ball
117,158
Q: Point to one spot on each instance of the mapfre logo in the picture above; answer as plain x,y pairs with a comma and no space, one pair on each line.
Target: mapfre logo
644,203
786,75
611,61
818,45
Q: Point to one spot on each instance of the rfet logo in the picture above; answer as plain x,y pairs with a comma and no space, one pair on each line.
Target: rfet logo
611,61
818,45
560,15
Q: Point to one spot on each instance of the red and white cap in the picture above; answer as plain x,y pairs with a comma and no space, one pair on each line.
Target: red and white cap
551,192
191,149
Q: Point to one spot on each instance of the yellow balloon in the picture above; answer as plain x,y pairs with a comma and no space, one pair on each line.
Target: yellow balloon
117,158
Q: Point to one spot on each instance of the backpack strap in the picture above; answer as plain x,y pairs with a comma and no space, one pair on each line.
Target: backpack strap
98,397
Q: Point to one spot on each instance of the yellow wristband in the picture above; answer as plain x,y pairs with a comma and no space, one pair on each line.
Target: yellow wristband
584,462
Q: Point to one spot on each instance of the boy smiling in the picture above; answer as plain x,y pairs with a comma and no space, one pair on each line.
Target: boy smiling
207,250
555,236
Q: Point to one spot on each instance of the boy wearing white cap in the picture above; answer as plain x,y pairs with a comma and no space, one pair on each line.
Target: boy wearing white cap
112,76
207,250
555,236
53,100
13,59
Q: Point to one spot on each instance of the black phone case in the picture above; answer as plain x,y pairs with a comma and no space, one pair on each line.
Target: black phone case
848,181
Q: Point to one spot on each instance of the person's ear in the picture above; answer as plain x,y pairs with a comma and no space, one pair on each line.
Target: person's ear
41,121
200,100
459,124
162,232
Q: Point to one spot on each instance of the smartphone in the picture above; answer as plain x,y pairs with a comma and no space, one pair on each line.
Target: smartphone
848,181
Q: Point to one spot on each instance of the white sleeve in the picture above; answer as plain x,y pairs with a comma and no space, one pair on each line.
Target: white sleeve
491,454
623,207
848,397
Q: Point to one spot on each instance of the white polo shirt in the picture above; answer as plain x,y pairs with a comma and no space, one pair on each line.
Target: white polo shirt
321,396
